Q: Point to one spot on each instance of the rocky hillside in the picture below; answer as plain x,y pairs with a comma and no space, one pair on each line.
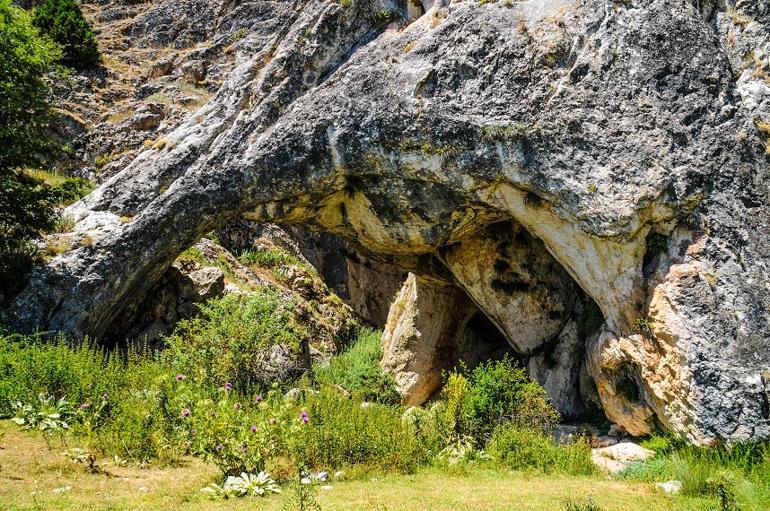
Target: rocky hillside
522,159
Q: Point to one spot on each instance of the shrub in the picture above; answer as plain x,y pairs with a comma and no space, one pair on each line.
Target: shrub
358,371
521,448
500,392
229,341
341,432
63,22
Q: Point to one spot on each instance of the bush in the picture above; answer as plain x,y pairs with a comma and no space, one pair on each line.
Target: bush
520,449
357,370
63,22
497,392
341,432
27,206
230,339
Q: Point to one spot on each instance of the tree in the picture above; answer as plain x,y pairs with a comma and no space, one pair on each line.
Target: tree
63,22
27,205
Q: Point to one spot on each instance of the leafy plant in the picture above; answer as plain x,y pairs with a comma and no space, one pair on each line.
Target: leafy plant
358,370
245,485
48,414
63,22
497,392
229,340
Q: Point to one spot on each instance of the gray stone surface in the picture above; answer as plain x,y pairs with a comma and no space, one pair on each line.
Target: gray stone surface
591,123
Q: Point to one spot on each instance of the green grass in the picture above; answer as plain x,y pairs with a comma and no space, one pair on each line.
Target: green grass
357,370
31,471
140,409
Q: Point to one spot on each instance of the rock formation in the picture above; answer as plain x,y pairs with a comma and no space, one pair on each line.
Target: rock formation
628,137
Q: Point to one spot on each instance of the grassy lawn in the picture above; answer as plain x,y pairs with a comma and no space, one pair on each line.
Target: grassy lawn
31,473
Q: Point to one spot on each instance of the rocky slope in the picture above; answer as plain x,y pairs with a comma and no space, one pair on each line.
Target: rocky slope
626,139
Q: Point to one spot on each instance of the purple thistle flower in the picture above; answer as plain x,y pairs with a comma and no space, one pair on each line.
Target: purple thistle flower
228,386
186,412
258,399
219,447
303,415
179,377
253,429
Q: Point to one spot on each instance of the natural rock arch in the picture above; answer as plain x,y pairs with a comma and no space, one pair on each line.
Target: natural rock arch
589,123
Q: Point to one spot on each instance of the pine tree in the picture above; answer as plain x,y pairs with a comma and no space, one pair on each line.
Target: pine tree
64,23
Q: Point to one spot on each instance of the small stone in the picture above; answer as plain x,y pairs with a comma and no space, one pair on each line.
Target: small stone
340,474
673,487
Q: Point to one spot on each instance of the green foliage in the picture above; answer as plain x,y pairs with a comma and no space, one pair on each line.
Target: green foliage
64,23
47,414
734,476
267,257
357,370
227,342
301,497
521,449
26,204
341,432
586,505
498,392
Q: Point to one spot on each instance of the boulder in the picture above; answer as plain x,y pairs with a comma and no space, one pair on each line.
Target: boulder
620,138
616,458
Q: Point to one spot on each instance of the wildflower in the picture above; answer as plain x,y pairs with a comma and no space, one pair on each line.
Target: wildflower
228,386
104,396
186,412
303,415
258,399
219,447
179,377
253,429
244,448
193,432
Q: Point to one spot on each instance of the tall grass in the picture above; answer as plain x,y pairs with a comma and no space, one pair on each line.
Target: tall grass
739,473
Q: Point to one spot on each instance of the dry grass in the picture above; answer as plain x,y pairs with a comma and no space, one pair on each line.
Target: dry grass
30,472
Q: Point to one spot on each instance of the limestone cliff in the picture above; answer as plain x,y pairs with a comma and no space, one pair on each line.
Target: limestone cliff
627,138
